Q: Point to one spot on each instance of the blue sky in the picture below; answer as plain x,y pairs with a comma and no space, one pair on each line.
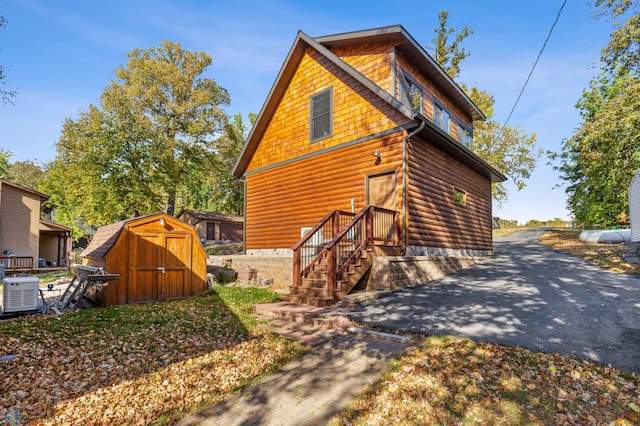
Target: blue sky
61,54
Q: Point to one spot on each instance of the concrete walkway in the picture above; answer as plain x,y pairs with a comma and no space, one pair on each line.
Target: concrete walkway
308,390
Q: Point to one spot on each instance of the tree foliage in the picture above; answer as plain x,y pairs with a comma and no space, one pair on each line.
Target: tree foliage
507,148
6,96
4,163
599,160
623,49
448,53
26,173
149,144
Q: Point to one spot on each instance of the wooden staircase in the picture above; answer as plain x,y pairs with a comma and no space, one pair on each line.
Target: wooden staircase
345,260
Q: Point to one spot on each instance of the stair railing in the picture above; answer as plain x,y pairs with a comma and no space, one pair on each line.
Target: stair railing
310,249
372,225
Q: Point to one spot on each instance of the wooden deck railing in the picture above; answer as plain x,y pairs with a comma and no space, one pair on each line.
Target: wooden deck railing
307,251
13,264
372,225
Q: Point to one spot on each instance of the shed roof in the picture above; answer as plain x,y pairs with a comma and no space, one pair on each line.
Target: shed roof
410,48
107,235
201,215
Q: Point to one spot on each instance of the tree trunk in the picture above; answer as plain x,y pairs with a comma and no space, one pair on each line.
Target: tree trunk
171,205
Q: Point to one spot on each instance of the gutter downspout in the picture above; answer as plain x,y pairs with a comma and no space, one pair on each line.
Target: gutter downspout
244,215
405,209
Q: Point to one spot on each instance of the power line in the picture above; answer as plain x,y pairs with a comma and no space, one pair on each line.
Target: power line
532,69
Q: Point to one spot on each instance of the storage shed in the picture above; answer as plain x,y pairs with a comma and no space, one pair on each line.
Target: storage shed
157,256
634,207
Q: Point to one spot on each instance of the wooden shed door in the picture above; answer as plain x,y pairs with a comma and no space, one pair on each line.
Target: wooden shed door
175,282
159,266
145,258
381,190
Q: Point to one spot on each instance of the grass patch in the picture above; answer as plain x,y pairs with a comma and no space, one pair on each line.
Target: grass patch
506,231
608,256
147,363
224,249
449,380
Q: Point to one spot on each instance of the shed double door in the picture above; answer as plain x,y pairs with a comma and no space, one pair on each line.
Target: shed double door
159,266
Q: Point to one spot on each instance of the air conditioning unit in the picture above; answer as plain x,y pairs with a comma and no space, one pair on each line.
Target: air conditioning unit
20,294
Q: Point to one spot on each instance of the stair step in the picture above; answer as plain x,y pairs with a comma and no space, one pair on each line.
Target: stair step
308,300
309,335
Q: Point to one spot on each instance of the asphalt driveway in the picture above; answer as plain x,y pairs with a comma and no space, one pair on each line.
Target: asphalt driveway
526,295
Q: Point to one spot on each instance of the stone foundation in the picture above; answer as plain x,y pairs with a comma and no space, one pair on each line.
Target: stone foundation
278,268
387,273
396,272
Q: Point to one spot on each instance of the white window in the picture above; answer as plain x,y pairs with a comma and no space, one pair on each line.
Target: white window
321,118
465,135
441,117
410,92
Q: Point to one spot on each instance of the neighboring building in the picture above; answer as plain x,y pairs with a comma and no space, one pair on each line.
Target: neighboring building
213,226
356,121
28,241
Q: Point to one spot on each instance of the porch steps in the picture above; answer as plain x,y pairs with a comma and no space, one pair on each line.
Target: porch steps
313,289
310,325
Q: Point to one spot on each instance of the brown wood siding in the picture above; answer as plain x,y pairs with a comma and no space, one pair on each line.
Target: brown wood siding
356,113
374,61
435,220
282,200
432,92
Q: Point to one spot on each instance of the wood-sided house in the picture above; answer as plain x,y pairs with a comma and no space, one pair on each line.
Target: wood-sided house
363,148
213,226
29,240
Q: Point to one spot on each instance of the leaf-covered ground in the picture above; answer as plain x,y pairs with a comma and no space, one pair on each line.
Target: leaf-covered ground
447,380
141,364
609,256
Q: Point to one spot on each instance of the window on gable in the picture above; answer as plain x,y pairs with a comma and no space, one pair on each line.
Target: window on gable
441,117
410,92
460,197
321,108
465,135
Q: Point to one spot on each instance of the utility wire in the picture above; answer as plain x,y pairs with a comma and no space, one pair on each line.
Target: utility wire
531,72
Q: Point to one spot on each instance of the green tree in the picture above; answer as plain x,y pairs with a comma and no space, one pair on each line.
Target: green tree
507,148
4,163
623,49
26,173
6,96
228,192
448,54
146,145
599,160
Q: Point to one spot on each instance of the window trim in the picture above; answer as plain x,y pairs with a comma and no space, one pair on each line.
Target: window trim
404,75
313,99
459,197
464,128
438,105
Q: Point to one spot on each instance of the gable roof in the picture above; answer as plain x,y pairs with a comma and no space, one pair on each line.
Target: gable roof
213,216
410,48
417,55
43,197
